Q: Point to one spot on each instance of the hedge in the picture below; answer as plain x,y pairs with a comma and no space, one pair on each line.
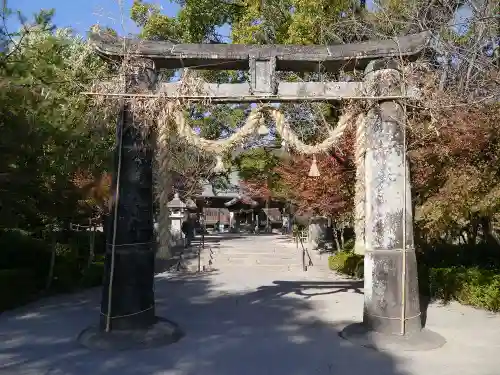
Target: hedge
93,276
19,250
25,262
469,286
17,287
472,286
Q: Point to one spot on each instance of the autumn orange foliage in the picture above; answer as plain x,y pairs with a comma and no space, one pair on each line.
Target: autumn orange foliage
331,193
95,191
455,173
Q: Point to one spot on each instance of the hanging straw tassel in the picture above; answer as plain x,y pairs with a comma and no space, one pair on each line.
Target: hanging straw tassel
219,165
314,171
284,146
263,130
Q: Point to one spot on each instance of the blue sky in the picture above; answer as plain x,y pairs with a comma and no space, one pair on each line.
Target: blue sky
81,14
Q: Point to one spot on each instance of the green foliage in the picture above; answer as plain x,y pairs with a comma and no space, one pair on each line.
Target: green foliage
257,164
196,22
25,262
469,286
218,121
20,250
346,262
482,255
93,276
310,22
49,130
17,287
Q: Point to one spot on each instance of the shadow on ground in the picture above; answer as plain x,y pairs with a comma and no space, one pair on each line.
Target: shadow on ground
271,330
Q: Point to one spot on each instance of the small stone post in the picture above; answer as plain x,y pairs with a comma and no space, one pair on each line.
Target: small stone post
128,293
391,284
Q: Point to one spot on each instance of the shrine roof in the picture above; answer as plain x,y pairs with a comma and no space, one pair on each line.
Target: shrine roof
233,190
243,200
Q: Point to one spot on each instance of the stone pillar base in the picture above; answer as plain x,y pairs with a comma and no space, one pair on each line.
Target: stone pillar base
163,332
360,334
385,279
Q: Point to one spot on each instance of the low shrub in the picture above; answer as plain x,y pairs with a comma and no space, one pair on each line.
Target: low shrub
93,276
17,287
347,262
483,255
349,245
468,285
25,261
19,250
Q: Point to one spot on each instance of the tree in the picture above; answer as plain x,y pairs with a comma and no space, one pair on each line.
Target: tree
49,129
456,176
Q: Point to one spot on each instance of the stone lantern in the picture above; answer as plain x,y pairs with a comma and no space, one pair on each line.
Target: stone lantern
177,210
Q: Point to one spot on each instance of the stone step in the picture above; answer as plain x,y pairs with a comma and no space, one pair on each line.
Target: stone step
266,267
257,256
194,265
191,265
283,256
256,261
281,259
280,252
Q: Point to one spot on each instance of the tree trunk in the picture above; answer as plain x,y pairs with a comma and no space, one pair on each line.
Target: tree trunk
50,275
91,246
487,230
472,239
342,238
336,238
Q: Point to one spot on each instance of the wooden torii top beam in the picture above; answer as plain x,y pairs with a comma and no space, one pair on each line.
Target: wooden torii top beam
263,61
291,58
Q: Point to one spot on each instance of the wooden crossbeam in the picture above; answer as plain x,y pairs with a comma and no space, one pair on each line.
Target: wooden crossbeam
286,92
239,57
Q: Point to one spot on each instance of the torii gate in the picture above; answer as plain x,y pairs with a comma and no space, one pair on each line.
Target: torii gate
391,285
